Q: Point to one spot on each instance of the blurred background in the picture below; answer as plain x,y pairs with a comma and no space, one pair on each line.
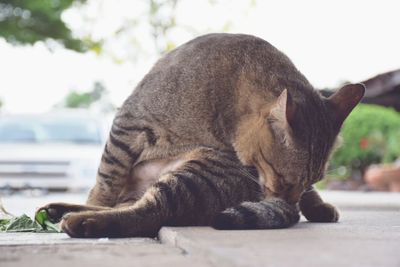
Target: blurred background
66,66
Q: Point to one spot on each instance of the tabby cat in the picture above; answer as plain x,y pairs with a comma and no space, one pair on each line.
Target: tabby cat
223,131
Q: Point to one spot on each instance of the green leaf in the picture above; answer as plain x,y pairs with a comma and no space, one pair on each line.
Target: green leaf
52,227
11,223
3,224
23,224
42,219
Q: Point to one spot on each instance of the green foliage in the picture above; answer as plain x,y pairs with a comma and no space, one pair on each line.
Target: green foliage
24,223
29,21
43,220
20,224
371,134
84,100
3,224
78,100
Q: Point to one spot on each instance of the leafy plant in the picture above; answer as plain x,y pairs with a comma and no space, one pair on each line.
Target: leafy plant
20,224
371,134
24,223
84,100
26,22
42,218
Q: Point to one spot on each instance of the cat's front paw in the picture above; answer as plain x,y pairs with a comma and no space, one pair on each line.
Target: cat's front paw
226,221
55,211
87,224
323,212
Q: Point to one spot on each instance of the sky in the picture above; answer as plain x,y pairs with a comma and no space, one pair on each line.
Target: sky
329,41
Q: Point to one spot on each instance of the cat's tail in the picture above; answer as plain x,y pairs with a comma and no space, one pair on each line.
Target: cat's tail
273,213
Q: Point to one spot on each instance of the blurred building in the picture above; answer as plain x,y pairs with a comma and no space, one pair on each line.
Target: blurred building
383,89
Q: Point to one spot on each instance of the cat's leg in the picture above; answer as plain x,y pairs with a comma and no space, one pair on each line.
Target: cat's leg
124,145
271,213
55,211
206,184
315,209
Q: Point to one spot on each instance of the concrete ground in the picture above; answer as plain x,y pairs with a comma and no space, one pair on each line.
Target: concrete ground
368,234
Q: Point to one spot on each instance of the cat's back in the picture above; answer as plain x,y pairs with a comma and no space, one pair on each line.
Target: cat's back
212,64
211,56
200,83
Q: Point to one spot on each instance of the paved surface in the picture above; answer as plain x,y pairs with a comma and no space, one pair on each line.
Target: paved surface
368,235
362,238
60,250
363,200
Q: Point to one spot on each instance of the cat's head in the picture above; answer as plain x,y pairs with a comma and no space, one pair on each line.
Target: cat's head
295,139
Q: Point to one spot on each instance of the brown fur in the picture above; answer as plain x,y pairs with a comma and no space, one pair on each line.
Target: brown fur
223,131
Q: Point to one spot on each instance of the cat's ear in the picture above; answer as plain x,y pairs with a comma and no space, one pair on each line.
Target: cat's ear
281,117
284,109
344,100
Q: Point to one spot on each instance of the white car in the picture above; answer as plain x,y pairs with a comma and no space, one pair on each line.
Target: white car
58,150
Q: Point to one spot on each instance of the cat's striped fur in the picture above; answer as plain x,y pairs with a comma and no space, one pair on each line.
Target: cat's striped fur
223,131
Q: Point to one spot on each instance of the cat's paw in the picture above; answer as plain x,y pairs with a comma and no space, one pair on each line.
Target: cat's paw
226,221
55,211
273,213
87,224
323,212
